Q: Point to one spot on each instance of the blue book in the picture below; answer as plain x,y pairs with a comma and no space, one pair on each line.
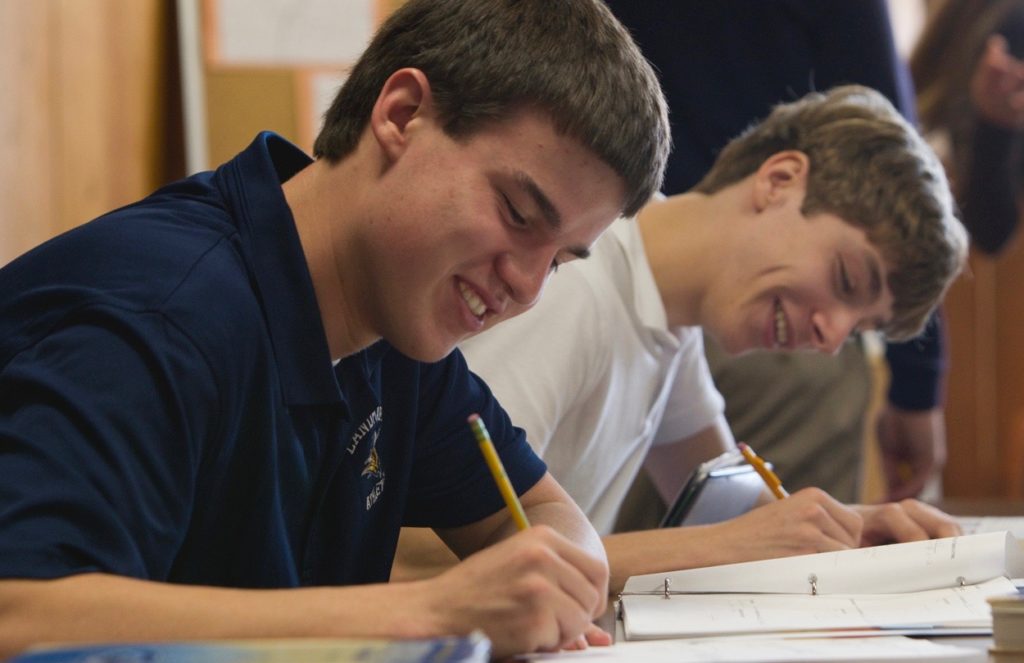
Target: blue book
474,648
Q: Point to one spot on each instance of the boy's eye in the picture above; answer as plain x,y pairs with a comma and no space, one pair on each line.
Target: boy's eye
554,265
513,213
845,284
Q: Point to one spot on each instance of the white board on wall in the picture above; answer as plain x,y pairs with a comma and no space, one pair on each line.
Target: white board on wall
290,32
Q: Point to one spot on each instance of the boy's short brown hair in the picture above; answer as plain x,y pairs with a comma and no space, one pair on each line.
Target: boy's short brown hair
871,168
488,58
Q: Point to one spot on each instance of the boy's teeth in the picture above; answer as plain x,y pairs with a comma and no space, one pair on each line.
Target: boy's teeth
476,305
781,331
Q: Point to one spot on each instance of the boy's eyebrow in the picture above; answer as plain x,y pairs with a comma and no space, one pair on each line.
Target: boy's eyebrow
547,209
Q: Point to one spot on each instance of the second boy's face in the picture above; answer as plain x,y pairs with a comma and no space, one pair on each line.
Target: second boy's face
471,228
804,283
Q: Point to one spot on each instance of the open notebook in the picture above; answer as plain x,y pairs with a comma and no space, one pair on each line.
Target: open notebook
981,524
924,586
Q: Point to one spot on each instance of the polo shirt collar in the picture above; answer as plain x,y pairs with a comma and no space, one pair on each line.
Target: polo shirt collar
251,184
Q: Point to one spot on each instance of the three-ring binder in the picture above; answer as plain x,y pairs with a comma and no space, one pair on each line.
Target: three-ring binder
667,592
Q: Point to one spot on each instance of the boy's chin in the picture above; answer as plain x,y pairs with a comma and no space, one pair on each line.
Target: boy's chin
429,352
730,345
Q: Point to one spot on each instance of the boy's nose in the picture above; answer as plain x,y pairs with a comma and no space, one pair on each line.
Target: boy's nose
830,330
525,273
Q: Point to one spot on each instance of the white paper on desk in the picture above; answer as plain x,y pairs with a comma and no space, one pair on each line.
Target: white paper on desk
981,524
692,615
770,651
900,567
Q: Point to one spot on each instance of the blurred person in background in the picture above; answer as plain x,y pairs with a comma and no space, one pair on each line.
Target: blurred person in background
970,99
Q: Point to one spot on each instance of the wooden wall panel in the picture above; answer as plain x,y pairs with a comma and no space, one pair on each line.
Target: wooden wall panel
970,411
93,122
985,399
26,176
1007,353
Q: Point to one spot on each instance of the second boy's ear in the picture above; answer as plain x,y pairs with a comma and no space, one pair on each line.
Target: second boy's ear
404,99
780,176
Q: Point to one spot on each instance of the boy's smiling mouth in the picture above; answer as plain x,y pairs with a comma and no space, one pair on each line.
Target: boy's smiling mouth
475,304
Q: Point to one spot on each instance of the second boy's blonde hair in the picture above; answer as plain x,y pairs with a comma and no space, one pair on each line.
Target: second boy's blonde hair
869,167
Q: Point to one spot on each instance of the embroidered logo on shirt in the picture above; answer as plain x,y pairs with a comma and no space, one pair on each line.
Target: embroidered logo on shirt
373,469
368,425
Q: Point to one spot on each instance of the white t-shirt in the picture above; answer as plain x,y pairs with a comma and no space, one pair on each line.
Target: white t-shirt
594,375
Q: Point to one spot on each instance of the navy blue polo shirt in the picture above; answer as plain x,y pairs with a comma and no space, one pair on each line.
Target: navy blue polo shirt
169,411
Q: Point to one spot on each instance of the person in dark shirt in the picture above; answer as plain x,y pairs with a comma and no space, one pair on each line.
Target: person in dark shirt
218,405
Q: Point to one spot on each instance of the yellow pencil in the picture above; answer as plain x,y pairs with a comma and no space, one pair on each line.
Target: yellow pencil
483,438
770,478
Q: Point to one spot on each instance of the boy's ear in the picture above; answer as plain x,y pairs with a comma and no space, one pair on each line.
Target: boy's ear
404,98
780,176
